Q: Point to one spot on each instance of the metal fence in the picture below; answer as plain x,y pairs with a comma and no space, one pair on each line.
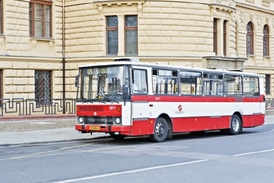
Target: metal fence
21,107
269,103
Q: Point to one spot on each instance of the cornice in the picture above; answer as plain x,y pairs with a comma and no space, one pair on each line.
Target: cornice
255,8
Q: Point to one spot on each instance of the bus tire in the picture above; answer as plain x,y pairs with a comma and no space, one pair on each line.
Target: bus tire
160,130
235,125
116,137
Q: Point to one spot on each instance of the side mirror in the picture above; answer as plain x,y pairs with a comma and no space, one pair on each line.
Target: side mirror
76,81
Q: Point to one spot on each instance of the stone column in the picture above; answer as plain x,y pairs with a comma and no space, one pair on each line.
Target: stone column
220,44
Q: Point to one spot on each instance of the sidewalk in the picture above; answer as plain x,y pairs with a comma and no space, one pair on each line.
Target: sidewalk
41,130
52,130
42,136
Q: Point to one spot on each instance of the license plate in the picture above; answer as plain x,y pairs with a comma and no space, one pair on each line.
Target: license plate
95,128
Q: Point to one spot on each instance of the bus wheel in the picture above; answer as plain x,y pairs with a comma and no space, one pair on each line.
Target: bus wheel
116,137
235,125
160,130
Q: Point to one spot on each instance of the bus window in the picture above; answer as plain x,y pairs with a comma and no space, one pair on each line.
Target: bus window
190,83
139,81
251,86
213,84
233,85
165,82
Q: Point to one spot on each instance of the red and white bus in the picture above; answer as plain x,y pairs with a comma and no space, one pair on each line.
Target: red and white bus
130,98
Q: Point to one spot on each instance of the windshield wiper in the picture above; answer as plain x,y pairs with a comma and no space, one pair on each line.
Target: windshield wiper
115,96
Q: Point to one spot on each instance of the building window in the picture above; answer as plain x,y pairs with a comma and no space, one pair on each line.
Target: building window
43,87
1,16
249,39
215,35
131,26
266,41
225,37
267,83
112,35
40,18
1,87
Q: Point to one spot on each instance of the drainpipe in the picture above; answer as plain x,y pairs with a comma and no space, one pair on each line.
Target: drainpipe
63,57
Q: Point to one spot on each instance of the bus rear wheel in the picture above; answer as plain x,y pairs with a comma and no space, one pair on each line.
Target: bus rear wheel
235,125
160,130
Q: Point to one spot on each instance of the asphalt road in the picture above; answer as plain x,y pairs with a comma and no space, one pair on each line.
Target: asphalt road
210,157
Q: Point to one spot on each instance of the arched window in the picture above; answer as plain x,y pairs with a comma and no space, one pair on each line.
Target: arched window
266,41
249,39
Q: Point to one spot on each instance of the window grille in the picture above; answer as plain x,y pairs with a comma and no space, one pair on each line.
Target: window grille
43,87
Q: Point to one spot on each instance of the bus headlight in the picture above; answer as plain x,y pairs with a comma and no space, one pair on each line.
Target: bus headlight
81,119
118,120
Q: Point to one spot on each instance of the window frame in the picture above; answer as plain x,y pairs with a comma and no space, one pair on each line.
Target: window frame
1,17
1,86
131,28
225,37
249,39
267,84
32,18
215,36
266,37
111,29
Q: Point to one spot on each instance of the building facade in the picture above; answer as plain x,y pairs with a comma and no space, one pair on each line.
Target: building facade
43,42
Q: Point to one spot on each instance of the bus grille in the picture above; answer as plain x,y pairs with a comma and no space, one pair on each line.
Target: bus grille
99,120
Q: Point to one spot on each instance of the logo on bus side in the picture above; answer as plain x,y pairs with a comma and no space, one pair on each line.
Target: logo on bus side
180,110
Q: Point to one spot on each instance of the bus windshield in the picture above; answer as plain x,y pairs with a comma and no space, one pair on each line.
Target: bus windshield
103,84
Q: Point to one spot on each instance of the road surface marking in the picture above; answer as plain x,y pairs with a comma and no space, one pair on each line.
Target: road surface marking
254,152
131,171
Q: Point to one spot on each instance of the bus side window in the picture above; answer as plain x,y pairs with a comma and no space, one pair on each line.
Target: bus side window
251,86
233,85
139,81
190,83
165,82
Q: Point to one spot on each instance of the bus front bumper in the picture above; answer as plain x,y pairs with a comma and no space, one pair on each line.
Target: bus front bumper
99,128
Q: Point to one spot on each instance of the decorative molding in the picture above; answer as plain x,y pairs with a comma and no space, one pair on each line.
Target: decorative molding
266,3
229,3
222,5
101,4
249,1
216,62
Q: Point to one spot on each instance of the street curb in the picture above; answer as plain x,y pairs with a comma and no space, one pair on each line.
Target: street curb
55,141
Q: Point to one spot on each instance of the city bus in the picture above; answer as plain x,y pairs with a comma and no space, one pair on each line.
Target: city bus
127,98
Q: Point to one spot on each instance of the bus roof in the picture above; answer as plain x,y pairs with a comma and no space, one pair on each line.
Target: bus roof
165,67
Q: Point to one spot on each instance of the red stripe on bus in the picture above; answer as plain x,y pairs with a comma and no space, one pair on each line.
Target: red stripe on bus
99,110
